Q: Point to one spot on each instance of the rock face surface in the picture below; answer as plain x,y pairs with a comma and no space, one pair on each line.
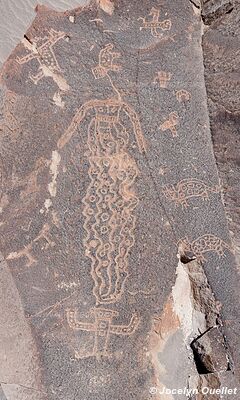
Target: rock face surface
221,60
118,273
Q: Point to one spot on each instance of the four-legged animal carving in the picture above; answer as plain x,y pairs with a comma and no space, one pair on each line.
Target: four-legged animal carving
204,244
102,327
171,123
188,188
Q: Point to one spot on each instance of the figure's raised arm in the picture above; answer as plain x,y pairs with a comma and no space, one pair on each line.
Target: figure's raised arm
136,127
77,119
26,58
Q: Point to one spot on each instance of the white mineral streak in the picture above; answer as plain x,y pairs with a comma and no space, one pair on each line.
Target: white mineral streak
52,186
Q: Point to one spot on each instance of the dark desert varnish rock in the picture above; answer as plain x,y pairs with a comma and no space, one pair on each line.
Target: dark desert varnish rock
107,167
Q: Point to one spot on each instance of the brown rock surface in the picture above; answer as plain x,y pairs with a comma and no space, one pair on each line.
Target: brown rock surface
108,173
221,61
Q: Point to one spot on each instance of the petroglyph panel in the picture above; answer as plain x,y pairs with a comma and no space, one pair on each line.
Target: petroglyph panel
107,171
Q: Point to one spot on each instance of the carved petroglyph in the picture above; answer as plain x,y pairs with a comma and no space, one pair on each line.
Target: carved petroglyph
9,120
155,25
188,188
25,252
106,62
106,65
163,79
171,123
183,95
68,285
110,200
204,244
45,235
108,111
41,49
102,328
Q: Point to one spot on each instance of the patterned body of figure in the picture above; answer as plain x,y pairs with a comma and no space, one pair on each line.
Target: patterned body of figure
110,200
42,51
188,188
204,244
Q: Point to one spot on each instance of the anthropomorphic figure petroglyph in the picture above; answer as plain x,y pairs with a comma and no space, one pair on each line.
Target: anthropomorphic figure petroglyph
110,200
156,27
102,327
106,62
42,51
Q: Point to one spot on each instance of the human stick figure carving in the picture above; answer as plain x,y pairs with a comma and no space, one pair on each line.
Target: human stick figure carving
156,27
106,62
171,123
188,188
204,244
102,327
110,200
42,51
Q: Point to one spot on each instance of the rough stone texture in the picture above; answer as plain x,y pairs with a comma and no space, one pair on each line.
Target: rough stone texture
211,352
221,60
213,9
107,172
20,371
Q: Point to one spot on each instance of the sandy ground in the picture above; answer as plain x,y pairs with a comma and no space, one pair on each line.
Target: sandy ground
16,16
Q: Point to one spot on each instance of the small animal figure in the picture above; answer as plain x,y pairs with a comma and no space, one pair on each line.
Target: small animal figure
188,188
171,123
204,244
